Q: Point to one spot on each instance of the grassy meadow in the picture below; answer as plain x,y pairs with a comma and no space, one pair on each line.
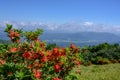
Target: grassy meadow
100,72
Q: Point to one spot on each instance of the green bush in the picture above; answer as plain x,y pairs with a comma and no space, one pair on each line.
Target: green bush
107,52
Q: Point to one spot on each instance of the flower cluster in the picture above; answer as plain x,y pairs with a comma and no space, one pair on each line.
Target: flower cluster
14,34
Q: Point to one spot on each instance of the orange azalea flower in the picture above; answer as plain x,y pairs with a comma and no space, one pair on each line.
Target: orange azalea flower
36,63
55,50
41,53
35,56
79,72
76,50
18,41
56,79
56,53
42,44
72,46
37,74
36,39
40,65
49,53
13,50
16,34
29,66
11,33
78,63
26,55
57,68
44,59
1,61
62,52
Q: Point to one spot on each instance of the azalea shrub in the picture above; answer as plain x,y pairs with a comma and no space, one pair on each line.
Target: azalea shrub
31,60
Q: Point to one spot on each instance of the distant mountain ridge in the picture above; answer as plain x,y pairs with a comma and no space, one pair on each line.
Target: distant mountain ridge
84,38
79,38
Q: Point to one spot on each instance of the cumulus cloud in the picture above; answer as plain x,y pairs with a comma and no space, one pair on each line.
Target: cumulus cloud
65,27
88,23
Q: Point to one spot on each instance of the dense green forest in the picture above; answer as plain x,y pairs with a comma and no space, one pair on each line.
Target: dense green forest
101,54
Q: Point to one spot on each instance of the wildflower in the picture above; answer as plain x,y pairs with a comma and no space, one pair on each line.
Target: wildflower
26,55
62,52
55,51
36,39
41,53
37,74
79,72
56,79
57,68
16,34
72,46
29,66
13,50
35,56
76,50
78,63
11,33
44,59
18,41
1,61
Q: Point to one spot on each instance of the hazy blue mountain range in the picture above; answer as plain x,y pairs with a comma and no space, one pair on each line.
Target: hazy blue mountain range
78,38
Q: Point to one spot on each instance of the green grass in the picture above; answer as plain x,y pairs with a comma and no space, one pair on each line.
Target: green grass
100,72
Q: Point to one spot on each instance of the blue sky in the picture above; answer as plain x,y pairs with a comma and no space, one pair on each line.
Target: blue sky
61,11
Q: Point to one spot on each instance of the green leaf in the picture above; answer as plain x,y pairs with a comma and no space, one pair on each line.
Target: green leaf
8,28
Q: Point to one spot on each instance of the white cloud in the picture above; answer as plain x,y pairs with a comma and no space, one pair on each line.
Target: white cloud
88,23
65,27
